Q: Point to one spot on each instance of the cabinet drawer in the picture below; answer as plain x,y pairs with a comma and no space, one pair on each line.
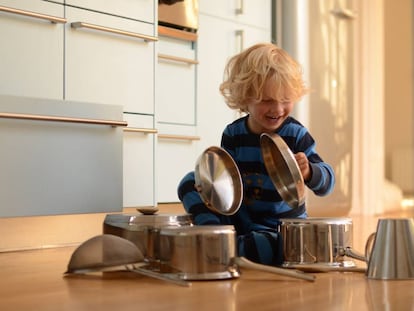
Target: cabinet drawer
52,166
139,139
143,10
176,156
176,82
31,56
251,12
106,67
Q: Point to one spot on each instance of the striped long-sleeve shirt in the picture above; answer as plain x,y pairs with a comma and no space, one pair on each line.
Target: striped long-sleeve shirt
262,203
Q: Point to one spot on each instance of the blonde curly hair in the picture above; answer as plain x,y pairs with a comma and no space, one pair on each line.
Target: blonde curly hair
246,74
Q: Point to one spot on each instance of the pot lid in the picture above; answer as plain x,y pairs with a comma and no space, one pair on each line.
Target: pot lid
283,169
131,221
218,181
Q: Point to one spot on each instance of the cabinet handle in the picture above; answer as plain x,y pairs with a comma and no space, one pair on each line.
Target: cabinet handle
140,130
38,117
240,36
177,34
50,18
113,30
178,59
178,137
240,9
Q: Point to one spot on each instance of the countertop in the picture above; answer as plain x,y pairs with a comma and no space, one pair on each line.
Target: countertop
34,280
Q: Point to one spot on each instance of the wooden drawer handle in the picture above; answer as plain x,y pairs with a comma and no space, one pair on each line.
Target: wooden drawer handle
38,117
113,30
50,18
178,59
178,137
177,34
140,130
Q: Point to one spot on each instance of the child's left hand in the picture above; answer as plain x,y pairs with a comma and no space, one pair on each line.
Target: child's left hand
303,164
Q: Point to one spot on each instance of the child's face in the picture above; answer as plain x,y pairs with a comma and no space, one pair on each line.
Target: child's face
267,115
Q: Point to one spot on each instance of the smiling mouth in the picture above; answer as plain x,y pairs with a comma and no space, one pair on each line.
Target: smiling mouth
273,118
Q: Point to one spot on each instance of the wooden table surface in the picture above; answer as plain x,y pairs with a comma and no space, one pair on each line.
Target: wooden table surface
34,280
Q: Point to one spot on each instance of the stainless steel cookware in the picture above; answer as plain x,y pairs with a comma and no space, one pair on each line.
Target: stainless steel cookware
283,169
218,181
143,229
107,252
320,242
209,253
391,254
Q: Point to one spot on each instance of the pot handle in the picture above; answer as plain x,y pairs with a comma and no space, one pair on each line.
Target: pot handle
353,254
348,251
368,245
245,263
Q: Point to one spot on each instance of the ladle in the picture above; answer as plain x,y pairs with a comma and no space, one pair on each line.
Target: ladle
108,252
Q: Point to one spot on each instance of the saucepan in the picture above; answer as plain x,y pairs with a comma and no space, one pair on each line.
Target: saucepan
143,228
210,253
321,244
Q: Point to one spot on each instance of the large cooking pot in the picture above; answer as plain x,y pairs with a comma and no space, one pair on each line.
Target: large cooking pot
324,242
143,229
200,252
209,253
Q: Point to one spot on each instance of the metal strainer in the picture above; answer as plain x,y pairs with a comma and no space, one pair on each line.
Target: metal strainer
109,252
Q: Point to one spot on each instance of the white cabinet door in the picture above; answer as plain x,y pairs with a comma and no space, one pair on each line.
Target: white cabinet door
109,68
52,166
138,157
230,38
176,82
142,10
31,53
176,156
250,12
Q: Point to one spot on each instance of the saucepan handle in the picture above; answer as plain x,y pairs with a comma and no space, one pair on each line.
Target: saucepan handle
245,263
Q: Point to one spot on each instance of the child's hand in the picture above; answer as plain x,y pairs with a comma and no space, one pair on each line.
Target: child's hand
303,164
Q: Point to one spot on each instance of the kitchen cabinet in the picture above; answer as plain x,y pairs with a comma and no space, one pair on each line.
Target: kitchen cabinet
176,81
109,60
59,157
87,51
226,28
142,10
248,12
176,156
139,140
31,54
176,106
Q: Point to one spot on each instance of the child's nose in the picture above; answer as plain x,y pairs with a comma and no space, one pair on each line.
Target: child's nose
276,106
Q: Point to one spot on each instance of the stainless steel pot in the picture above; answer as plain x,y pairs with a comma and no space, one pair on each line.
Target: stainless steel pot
143,230
209,253
200,252
324,242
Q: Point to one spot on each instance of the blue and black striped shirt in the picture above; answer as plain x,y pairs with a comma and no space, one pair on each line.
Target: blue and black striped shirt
262,204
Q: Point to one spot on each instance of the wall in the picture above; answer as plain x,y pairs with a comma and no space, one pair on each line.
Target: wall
398,91
345,111
323,44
